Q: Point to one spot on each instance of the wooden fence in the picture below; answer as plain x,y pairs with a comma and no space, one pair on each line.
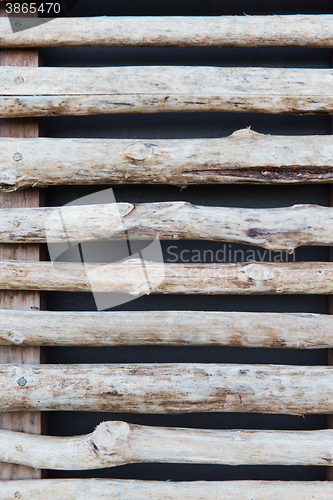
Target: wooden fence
243,157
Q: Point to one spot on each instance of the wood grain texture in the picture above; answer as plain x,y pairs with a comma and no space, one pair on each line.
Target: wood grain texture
276,229
44,328
219,31
243,157
112,489
138,277
119,443
167,388
152,89
28,128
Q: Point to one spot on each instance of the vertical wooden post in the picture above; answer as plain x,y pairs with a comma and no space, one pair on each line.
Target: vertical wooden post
20,421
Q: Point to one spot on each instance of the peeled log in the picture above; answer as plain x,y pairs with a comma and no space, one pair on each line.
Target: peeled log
275,229
119,443
139,277
167,388
154,89
166,31
44,328
112,489
243,157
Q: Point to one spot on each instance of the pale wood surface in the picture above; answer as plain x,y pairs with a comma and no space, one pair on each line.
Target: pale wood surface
112,489
43,328
167,388
119,443
130,89
243,157
217,31
138,277
28,128
276,229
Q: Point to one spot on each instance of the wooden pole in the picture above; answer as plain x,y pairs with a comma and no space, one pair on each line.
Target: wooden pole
138,277
45,328
243,157
219,31
113,489
277,229
153,89
23,421
168,388
119,443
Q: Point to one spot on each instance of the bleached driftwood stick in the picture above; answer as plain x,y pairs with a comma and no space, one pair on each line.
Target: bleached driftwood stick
113,489
167,388
42,328
243,157
138,277
119,443
275,229
219,31
151,89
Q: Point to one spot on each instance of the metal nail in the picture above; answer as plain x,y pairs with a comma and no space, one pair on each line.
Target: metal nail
17,156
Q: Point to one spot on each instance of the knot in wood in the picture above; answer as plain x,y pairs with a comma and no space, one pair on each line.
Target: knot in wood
139,151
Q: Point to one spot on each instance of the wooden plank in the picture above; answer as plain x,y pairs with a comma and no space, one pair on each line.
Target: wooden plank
276,229
138,277
113,489
219,31
45,328
27,422
168,388
119,443
151,89
243,157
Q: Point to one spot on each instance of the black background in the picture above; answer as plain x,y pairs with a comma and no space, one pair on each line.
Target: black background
186,125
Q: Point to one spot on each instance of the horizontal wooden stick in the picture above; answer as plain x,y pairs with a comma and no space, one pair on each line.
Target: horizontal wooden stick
219,31
243,157
119,443
42,328
86,91
275,229
113,489
167,388
138,277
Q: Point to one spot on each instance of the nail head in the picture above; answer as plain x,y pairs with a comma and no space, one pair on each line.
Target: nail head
19,79
14,272
22,381
17,156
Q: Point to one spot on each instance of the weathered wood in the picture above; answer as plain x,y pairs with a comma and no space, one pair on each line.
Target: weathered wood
168,388
275,229
243,157
119,443
44,328
137,277
28,128
218,31
151,89
113,489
